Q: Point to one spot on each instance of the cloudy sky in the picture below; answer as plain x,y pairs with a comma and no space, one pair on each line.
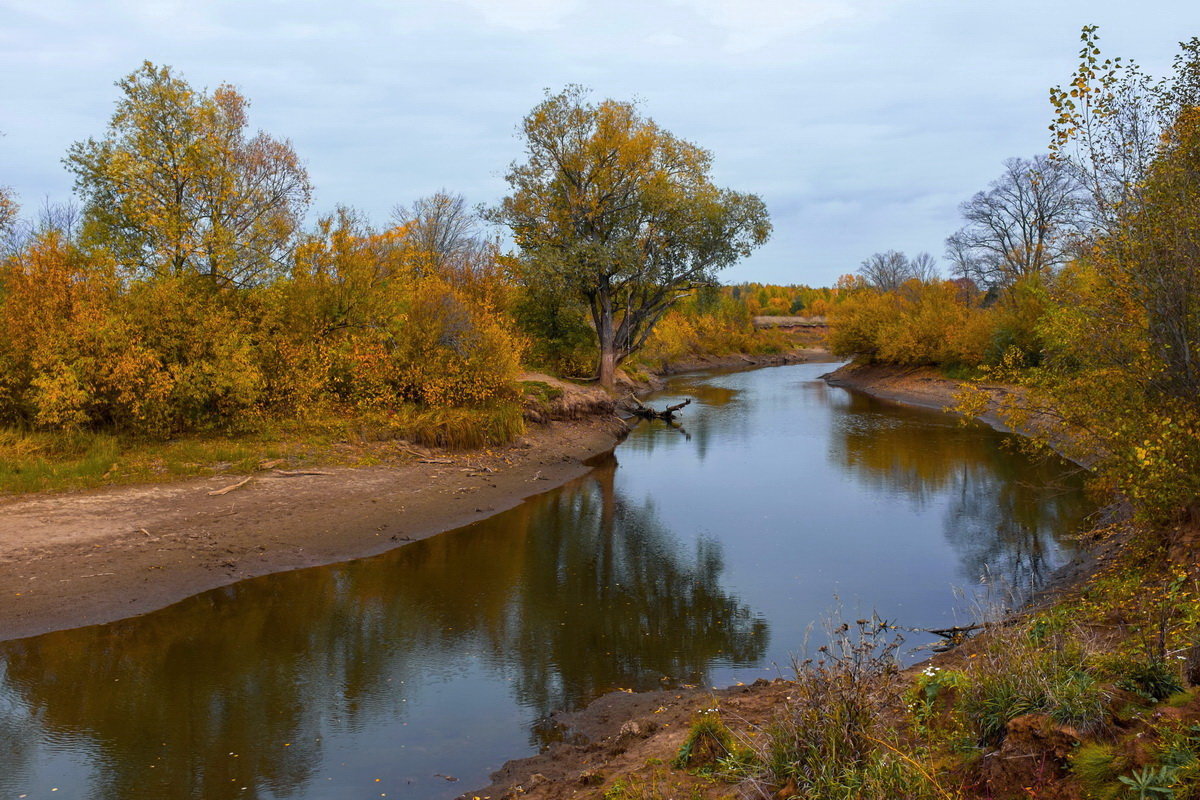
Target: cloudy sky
862,123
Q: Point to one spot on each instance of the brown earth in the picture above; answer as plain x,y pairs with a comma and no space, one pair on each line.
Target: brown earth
73,559
633,737
914,386
928,388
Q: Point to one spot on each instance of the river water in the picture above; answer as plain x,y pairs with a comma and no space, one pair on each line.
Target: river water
704,555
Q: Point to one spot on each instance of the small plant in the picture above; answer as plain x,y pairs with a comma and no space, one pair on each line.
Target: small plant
1151,782
1151,678
541,391
708,742
931,684
1097,767
997,699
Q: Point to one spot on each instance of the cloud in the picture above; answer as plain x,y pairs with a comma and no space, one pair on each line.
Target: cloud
523,15
751,25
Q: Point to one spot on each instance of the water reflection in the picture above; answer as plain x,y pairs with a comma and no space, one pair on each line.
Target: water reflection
233,693
701,560
1005,516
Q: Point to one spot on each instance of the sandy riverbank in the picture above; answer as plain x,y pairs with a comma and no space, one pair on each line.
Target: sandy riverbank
82,558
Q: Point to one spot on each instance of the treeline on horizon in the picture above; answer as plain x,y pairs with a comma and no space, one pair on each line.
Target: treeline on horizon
186,293
1077,277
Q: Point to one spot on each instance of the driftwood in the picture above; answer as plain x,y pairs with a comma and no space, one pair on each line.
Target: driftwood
645,412
228,489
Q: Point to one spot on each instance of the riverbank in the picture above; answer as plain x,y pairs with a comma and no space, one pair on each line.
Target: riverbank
82,558
69,559
1063,701
696,363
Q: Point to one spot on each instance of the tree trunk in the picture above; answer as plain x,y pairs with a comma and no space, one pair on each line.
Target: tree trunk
606,334
608,365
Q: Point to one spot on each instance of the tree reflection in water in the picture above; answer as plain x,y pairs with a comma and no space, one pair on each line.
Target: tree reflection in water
435,657
1007,517
569,595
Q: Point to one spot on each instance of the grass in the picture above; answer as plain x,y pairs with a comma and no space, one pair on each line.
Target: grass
38,461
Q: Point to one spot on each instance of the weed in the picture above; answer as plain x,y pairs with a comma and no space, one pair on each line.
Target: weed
708,741
1150,783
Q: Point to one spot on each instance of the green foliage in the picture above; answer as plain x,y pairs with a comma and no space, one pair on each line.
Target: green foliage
1150,782
1097,767
997,699
176,187
1015,320
1149,677
541,391
708,742
561,340
931,688
622,215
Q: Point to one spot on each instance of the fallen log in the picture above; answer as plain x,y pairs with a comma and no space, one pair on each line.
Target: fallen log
645,412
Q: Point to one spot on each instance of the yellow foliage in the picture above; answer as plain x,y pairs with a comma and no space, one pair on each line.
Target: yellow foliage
354,323
922,323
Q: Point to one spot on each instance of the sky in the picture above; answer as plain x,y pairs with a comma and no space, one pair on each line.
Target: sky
862,124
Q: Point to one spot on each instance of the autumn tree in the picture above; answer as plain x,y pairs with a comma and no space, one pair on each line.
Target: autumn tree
1021,226
1109,123
622,215
443,226
450,239
1121,363
178,187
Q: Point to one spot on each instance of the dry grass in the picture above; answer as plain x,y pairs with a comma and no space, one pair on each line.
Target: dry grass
37,461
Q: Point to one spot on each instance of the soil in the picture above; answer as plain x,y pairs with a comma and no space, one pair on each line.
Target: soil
74,559
913,386
632,737
928,388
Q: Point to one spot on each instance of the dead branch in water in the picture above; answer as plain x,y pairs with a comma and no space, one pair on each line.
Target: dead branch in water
645,412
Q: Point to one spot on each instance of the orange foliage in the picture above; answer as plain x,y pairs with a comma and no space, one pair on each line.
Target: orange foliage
922,323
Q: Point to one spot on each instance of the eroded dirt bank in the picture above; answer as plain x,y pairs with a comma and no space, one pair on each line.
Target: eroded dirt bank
914,386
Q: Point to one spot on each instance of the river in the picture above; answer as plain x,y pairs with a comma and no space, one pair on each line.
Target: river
703,555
